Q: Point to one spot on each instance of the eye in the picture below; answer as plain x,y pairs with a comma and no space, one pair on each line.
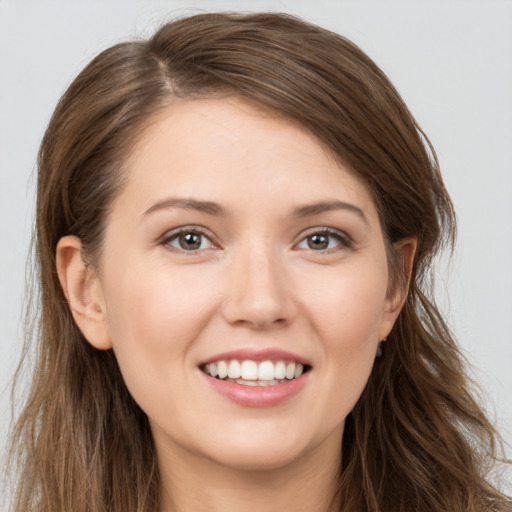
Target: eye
324,240
188,240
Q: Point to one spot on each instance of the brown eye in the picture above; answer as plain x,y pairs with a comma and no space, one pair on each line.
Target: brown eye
325,240
318,241
189,241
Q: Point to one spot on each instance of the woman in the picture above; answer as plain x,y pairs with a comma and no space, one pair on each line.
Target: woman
235,225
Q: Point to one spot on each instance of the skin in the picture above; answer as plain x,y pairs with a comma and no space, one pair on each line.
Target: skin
254,282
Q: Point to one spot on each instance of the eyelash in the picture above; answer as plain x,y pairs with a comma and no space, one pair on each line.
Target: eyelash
344,241
192,230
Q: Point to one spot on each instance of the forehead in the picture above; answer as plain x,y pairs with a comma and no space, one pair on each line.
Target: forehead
230,149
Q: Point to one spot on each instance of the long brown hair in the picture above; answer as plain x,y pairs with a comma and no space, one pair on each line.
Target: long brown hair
416,440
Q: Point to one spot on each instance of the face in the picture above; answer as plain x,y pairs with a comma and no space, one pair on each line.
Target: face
240,246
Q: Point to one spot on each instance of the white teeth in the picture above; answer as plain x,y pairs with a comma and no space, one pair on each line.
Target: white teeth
266,370
247,382
213,369
222,368
280,370
249,370
234,369
257,383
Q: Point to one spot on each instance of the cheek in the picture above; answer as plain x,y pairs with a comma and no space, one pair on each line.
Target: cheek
154,317
155,306
347,316
349,305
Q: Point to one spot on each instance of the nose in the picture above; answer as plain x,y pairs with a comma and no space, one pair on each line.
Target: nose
259,292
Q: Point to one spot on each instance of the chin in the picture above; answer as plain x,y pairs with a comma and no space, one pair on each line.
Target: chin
256,458
262,449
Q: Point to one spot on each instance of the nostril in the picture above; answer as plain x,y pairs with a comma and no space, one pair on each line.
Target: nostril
258,295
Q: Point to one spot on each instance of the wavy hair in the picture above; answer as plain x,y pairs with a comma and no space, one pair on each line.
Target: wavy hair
417,438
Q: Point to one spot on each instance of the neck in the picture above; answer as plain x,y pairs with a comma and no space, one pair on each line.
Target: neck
193,483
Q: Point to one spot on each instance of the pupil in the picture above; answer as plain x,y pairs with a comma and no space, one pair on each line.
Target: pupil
318,242
190,241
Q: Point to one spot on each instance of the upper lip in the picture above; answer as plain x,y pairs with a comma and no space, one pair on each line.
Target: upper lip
255,354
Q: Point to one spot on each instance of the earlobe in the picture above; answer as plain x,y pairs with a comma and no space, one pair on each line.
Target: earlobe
405,250
82,290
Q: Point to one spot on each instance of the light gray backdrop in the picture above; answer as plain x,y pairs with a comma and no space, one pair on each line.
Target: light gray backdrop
451,61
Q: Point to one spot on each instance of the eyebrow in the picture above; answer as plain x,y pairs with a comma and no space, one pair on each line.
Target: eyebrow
215,209
207,207
327,206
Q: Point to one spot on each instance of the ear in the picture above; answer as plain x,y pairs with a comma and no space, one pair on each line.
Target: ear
82,289
405,250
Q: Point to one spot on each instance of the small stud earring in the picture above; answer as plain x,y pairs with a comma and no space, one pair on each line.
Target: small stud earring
379,348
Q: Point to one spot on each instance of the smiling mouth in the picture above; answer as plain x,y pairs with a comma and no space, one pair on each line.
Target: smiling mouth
253,373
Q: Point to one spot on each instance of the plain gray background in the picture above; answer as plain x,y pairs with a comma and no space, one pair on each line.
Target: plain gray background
450,60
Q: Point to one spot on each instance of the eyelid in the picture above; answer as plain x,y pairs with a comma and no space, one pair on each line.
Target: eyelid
170,235
346,242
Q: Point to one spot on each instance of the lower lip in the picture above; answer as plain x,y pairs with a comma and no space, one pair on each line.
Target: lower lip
257,396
